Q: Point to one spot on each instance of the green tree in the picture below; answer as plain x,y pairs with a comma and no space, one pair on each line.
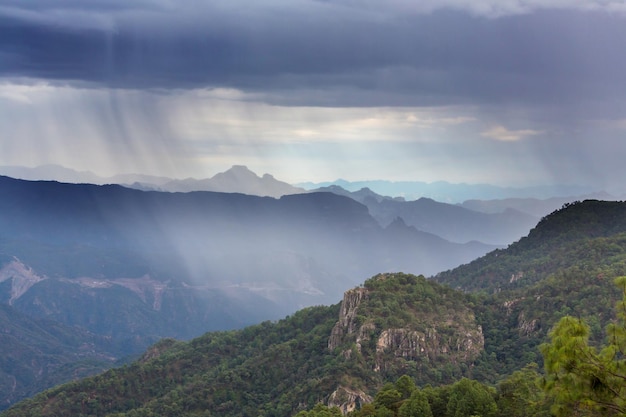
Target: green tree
581,379
471,398
382,411
437,398
388,397
416,406
405,386
520,395
320,410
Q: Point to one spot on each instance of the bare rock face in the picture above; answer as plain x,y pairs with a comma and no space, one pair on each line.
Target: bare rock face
453,336
527,326
22,278
348,399
465,344
347,317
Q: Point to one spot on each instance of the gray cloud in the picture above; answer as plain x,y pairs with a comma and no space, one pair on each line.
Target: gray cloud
323,53
216,83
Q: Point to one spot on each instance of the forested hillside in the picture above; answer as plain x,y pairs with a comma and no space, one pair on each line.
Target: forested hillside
279,368
588,235
454,346
565,266
37,354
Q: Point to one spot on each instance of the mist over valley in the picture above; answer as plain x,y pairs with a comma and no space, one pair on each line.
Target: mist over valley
312,208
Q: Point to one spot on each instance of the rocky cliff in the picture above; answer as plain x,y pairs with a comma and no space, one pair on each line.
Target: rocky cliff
346,324
398,324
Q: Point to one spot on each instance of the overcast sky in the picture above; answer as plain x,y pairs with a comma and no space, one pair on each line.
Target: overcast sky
512,92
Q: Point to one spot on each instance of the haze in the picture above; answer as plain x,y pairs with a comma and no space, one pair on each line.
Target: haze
502,92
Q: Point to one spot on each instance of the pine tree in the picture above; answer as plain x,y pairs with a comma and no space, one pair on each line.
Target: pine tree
582,380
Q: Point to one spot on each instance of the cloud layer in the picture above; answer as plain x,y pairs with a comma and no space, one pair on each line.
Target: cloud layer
183,87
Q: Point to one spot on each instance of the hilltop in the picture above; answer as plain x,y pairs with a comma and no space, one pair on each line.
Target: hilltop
587,235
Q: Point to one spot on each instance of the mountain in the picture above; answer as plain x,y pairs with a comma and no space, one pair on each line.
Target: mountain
565,266
451,193
451,222
588,232
142,265
392,325
238,179
63,174
51,171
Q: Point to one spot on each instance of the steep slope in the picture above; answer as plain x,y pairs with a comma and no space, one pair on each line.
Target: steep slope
338,355
37,354
565,266
575,234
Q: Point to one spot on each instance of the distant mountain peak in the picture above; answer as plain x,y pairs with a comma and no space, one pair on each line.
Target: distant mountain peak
236,171
241,169
236,179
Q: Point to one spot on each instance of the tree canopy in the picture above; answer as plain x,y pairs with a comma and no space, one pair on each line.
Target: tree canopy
582,378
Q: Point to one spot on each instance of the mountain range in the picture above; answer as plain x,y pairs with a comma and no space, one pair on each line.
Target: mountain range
449,221
136,266
239,179
393,324
496,222
452,193
113,269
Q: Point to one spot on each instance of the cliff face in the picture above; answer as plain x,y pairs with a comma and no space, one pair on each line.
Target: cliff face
348,399
463,345
347,317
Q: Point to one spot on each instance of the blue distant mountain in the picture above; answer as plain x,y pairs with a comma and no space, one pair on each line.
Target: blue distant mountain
452,193
237,179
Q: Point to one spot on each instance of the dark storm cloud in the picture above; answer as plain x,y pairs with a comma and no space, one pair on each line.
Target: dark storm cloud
320,53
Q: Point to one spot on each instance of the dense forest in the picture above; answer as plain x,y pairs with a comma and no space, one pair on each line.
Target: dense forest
530,330
580,379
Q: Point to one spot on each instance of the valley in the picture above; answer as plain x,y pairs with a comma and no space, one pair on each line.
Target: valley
131,268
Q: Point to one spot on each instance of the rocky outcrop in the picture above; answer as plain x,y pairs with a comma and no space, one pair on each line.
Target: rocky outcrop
22,278
398,323
516,277
464,344
347,323
456,337
527,326
348,399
